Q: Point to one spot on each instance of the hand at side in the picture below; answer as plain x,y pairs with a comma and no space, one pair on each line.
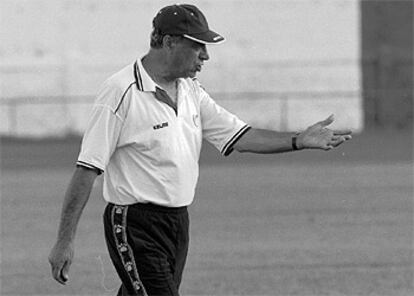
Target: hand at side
60,259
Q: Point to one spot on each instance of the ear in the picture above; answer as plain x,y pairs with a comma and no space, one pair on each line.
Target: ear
168,42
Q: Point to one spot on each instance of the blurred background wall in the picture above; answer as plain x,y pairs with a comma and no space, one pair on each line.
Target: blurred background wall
285,64
387,62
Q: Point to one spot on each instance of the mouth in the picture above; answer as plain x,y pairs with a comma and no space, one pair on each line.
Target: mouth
197,68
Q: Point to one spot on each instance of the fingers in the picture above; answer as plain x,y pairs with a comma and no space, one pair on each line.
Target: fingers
338,140
341,138
60,272
335,142
327,147
327,121
64,274
56,272
342,132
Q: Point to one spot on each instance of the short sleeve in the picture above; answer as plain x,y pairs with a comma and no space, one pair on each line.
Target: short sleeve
103,130
220,127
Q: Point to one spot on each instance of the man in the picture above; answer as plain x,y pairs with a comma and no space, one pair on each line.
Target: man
145,135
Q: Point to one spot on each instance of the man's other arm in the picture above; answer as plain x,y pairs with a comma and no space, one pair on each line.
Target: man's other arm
76,197
317,136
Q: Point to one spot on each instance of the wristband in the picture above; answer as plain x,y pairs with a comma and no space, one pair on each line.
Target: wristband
294,142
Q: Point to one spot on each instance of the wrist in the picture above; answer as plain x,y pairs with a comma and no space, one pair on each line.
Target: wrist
296,142
64,241
65,237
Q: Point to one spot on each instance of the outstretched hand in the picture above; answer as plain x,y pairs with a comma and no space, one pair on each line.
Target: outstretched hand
318,136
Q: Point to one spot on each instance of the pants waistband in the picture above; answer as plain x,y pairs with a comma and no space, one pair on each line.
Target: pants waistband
155,208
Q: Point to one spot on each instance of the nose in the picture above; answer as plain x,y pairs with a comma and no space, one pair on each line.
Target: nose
204,54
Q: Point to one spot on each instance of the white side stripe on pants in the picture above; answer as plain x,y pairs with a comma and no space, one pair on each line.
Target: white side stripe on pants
119,219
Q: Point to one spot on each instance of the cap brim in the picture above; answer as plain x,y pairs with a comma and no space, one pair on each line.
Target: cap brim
208,37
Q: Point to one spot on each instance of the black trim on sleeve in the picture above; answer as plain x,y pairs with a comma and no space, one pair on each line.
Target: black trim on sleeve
228,148
89,166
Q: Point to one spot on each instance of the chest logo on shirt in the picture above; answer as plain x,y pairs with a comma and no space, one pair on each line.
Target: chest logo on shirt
195,119
160,125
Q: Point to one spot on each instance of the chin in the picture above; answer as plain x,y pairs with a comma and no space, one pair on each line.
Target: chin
191,75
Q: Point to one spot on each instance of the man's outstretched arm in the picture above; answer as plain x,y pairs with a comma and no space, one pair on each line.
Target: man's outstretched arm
76,197
317,136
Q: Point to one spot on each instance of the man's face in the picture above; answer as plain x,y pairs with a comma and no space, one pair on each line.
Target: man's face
187,58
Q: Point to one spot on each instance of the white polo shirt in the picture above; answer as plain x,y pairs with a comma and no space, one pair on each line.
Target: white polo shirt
148,151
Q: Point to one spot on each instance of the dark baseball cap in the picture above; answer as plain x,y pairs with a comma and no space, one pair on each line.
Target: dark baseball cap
185,20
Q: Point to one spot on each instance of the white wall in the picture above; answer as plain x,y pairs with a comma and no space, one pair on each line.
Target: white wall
68,47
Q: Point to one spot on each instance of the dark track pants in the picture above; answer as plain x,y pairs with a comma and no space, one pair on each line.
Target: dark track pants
148,246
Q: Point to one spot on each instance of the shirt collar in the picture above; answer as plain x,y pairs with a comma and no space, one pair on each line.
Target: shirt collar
144,81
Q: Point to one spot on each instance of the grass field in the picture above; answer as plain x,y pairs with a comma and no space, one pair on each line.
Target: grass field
308,223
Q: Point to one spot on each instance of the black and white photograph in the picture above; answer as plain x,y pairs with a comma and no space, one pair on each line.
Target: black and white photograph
207,147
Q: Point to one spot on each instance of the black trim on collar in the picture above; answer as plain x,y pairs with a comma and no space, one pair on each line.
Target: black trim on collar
123,96
138,77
